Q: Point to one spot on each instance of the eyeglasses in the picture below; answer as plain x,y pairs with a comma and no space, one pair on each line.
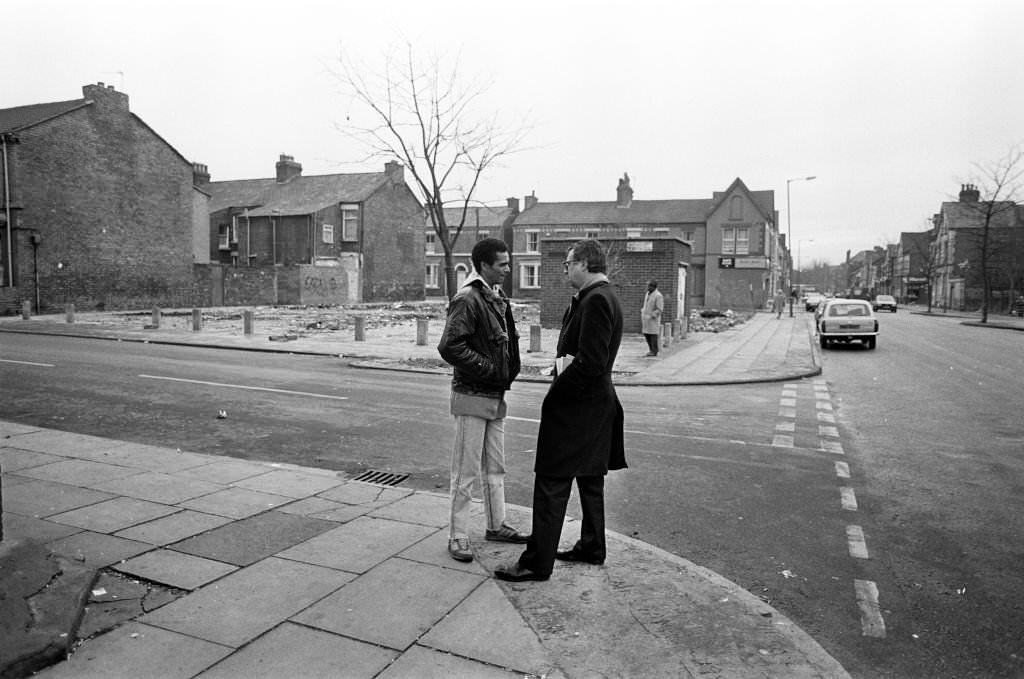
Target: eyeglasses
566,263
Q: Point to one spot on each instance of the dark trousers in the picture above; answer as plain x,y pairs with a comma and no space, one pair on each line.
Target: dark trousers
550,498
652,342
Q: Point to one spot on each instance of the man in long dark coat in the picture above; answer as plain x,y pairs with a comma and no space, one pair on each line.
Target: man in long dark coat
581,422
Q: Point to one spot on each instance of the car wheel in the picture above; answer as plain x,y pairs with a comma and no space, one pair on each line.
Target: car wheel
871,342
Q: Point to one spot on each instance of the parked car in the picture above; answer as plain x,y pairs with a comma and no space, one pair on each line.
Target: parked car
847,320
887,302
812,301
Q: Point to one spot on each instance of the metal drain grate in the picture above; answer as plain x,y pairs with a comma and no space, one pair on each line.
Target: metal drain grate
381,478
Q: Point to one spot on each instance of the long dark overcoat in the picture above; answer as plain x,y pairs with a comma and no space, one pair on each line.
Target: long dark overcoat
581,419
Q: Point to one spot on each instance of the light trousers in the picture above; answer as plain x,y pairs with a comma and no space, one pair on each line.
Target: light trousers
478,455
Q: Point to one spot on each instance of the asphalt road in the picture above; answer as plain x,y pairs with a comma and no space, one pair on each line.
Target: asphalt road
926,420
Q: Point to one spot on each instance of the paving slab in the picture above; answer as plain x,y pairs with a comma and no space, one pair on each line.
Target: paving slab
17,527
249,540
428,509
235,503
487,627
290,650
175,569
13,459
434,550
8,429
366,494
240,607
138,651
358,545
393,604
78,472
174,527
156,458
422,663
293,484
224,471
158,487
113,515
342,513
46,498
311,506
97,550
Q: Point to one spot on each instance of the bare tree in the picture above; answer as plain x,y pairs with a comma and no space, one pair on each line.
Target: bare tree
424,117
999,183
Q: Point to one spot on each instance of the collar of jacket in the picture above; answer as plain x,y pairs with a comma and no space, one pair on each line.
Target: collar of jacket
601,279
491,294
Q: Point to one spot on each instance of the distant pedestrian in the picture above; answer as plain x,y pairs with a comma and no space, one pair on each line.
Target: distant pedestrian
581,422
481,343
1018,306
779,303
650,316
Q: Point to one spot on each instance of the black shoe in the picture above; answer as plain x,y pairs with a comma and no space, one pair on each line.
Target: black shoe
516,573
578,556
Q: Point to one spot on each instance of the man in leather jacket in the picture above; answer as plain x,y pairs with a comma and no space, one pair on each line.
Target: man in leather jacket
481,344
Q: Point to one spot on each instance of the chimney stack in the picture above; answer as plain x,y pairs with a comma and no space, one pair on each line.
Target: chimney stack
529,201
395,170
969,193
106,95
624,194
287,168
200,174
513,204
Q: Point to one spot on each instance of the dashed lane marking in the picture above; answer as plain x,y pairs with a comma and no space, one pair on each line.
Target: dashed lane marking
786,426
828,418
826,430
834,447
856,543
782,441
842,470
246,387
871,622
787,403
848,499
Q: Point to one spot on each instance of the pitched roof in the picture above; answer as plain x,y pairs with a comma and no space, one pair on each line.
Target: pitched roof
682,211
299,195
477,215
763,200
21,117
960,215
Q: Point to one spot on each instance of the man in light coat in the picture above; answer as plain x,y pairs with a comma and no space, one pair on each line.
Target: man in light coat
581,422
650,316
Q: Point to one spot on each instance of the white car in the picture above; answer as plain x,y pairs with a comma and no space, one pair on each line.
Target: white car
847,320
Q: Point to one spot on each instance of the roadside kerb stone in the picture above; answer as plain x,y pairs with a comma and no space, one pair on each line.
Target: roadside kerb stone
240,607
78,472
224,471
392,604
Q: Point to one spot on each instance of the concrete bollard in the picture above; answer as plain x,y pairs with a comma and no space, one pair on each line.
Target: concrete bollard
534,338
421,331
666,334
26,310
69,312
247,317
360,328
156,317
197,320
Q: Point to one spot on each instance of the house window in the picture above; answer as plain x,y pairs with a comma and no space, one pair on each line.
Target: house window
592,235
431,242
634,232
529,276
349,221
688,236
327,233
431,278
224,237
533,241
735,240
480,235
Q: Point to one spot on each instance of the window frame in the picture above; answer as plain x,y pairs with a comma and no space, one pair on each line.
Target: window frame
534,269
349,222
326,229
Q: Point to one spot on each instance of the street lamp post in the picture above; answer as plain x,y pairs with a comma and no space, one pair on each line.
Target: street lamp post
789,236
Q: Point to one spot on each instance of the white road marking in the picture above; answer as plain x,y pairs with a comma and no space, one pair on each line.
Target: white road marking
787,412
842,470
832,447
828,418
824,430
41,365
823,405
523,419
855,542
848,498
786,426
782,441
246,387
787,403
871,622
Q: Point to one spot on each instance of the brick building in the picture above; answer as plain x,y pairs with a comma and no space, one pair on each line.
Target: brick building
631,263
97,210
318,239
736,259
480,222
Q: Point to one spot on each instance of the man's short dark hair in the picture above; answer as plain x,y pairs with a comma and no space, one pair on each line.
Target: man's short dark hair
590,251
486,251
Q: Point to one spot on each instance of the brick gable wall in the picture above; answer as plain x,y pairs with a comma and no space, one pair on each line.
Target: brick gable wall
393,245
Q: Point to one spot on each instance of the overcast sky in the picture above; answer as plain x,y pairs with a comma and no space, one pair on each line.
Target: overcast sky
890,104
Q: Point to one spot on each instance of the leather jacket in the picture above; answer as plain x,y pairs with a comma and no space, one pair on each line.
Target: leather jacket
480,341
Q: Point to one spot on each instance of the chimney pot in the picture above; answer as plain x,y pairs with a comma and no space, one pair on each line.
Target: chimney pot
287,168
